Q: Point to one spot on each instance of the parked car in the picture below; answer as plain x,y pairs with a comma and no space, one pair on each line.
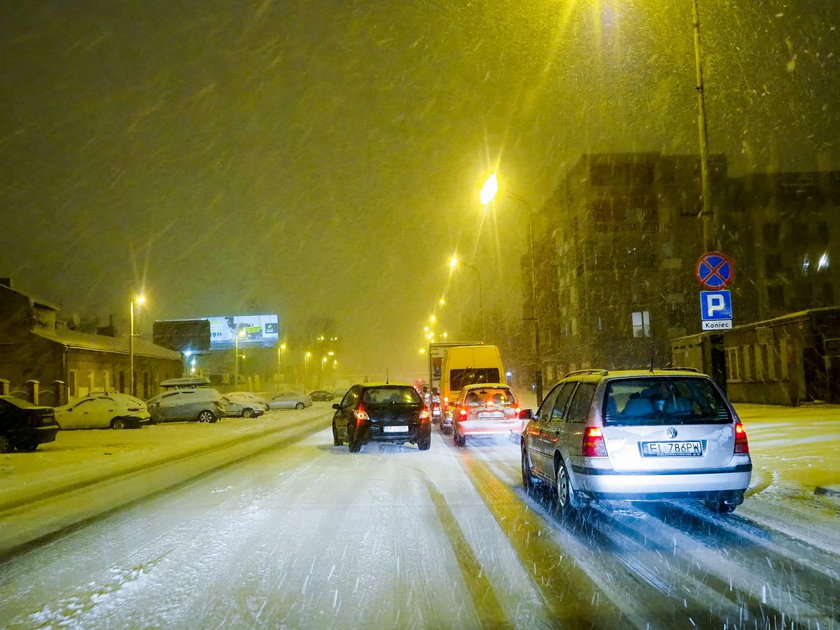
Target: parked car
381,412
202,404
102,411
23,425
289,400
486,409
637,435
320,395
244,405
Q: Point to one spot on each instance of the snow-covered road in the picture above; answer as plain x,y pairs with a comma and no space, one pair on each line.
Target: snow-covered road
306,535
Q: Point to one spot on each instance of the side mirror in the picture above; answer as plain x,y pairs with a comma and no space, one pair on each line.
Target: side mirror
336,406
526,414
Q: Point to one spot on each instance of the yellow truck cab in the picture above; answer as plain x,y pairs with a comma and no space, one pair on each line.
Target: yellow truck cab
465,365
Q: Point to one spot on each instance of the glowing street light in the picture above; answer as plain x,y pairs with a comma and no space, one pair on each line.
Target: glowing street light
488,194
139,300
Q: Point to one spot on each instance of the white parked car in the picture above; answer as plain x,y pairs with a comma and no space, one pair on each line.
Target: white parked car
244,405
103,411
289,400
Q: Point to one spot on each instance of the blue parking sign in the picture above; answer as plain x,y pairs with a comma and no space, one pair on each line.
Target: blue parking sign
716,309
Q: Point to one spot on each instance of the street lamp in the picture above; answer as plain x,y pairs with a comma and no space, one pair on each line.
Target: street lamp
488,194
239,333
281,364
305,361
140,299
454,262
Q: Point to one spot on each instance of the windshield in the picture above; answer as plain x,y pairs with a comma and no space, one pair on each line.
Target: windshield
664,400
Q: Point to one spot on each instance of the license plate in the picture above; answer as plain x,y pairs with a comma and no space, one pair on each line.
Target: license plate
672,449
394,429
491,415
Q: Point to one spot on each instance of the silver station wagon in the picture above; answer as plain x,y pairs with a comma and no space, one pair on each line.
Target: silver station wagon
637,435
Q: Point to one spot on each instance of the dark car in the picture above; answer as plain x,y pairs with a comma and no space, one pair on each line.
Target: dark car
23,426
320,395
381,412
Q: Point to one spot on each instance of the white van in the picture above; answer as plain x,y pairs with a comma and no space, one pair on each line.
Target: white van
465,365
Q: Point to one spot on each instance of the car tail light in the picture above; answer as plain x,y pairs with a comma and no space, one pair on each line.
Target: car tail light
462,412
742,446
593,443
36,420
424,414
517,411
361,415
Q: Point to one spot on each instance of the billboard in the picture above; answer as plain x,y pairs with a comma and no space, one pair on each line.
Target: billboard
257,331
183,335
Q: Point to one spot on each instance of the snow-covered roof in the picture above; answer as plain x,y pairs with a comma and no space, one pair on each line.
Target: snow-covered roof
119,345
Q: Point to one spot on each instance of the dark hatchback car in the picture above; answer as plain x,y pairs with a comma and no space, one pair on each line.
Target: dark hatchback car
23,426
381,412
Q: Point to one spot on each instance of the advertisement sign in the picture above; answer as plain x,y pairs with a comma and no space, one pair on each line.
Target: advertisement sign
256,331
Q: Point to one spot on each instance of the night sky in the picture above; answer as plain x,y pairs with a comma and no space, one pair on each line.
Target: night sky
323,158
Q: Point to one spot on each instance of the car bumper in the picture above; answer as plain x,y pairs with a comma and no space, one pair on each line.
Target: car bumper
640,486
377,433
46,434
490,427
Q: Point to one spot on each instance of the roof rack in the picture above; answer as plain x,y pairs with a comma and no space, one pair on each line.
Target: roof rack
600,371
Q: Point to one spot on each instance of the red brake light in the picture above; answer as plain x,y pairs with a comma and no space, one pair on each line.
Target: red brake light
517,411
462,412
424,415
593,443
741,444
361,415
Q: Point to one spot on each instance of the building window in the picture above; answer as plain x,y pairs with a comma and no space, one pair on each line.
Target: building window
771,234
772,265
776,297
641,323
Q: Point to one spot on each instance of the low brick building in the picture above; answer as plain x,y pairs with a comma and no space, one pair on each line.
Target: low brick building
43,360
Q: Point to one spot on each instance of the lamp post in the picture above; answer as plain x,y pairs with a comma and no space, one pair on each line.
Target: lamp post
239,333
706,212
488,194
131,334
305,361
454,262
281,364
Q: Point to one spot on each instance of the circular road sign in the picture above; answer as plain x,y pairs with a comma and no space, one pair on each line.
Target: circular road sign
714,270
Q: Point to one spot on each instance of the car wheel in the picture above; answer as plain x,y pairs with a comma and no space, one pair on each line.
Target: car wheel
5,444
300,406
247,413
565,501
528,479
27,447
424,443
460,440
119,423
719,506
354,445
337,441
206,416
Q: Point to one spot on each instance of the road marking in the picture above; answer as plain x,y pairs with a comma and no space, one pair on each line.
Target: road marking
570,595
487,607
